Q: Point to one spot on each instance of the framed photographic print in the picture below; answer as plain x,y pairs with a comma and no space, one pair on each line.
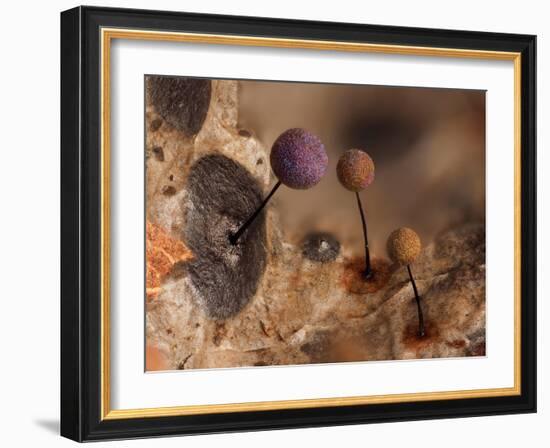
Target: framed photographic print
276,224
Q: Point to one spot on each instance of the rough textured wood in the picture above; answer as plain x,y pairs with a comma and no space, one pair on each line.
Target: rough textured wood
301,310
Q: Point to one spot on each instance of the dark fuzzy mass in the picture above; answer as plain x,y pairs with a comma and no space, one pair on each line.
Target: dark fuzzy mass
159,153
222,195
182,102
322,247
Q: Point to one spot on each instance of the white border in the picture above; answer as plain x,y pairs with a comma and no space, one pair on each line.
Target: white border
132,388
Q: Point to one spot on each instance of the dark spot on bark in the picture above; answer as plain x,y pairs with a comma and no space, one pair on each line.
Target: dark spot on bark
318,346
181,365
171,177
168,190
477,343
159,153
353,279
155,125
179,270
411,338
222,195
219,334
260,161
477,349
244,133
264,329
457,343
320,247
182,102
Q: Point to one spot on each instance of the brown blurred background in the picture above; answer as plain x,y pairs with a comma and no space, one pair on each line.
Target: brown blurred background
428,146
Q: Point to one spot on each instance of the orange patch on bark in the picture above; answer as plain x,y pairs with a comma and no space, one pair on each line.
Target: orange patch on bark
155,359
458,343
413,341
162,253
354,281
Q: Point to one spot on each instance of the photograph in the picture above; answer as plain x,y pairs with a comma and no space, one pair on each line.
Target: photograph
275,224
295,223
280,224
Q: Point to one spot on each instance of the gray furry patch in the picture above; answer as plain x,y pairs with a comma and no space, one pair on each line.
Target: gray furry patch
321,247
182,102
222,196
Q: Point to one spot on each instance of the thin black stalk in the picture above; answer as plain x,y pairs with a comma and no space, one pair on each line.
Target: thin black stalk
234,237
368,270
421,331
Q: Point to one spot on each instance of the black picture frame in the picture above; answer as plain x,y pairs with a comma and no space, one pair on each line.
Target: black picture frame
81,224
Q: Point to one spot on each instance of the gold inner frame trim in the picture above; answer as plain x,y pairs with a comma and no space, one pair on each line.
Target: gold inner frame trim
107,35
